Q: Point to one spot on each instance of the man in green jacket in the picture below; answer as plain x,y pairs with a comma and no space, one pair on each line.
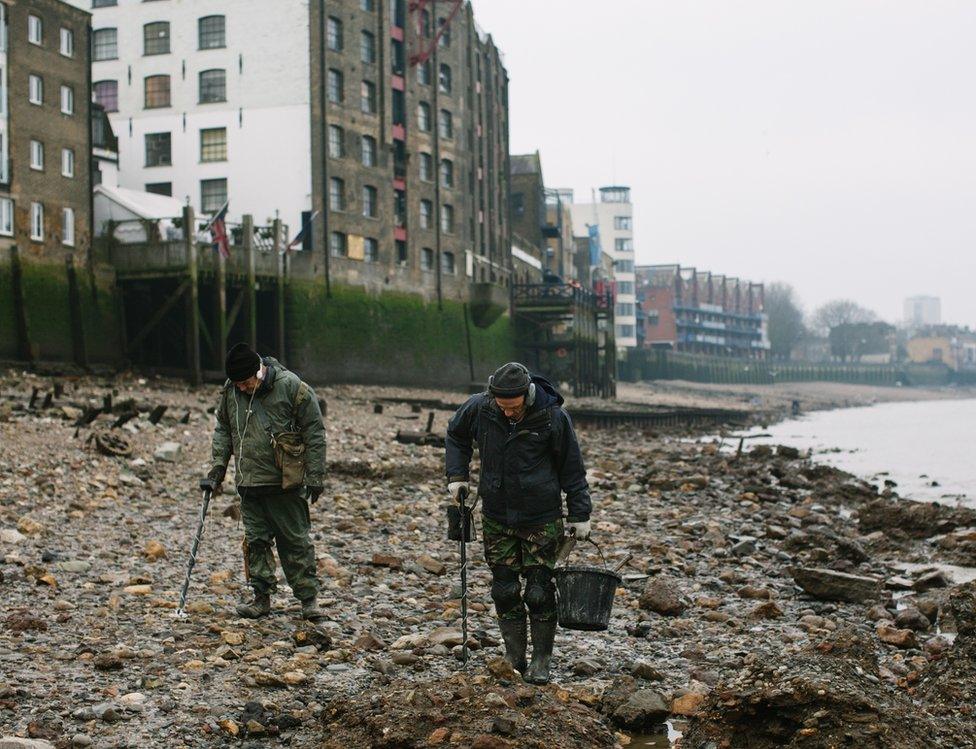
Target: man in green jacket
260,404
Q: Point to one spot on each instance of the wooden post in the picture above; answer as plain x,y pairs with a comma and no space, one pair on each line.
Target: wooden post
277,247
192,297
220,342
251,290
74,307
25,351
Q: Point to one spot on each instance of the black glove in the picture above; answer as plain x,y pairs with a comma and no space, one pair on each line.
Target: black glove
214,479
313,493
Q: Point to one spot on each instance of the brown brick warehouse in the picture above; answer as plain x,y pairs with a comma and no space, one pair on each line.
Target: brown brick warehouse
409,145
45,170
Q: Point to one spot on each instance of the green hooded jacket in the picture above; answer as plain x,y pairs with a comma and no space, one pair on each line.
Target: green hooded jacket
289,405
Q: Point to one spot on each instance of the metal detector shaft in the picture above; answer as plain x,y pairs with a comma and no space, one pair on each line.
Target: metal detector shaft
207,491
464,578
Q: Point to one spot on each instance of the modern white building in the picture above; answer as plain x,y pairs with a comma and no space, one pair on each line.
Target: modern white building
210,100
923,310
614,218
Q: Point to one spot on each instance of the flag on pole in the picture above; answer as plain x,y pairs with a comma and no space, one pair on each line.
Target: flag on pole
302,234
218,232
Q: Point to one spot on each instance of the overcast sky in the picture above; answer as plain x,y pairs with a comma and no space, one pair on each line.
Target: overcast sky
830,144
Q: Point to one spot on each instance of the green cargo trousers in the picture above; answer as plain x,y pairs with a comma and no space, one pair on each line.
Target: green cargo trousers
279,518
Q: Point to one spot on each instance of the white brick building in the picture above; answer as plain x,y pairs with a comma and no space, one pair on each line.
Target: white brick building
210,100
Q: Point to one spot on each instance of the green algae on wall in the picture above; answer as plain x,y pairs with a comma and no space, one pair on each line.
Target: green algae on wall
388,338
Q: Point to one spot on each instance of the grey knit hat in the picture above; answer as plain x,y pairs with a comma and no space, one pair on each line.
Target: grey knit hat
510,381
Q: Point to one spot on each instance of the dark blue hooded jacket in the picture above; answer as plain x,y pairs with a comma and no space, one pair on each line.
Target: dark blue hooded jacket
524,467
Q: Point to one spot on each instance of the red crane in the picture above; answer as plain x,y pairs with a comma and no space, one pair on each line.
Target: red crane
419,6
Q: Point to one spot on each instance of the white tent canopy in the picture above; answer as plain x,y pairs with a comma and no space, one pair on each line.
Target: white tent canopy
133,212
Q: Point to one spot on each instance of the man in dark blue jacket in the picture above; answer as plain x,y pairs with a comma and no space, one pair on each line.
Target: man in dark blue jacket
529,457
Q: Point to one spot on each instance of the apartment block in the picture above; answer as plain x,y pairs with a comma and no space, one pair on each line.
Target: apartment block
685,309
45,145
386,120
609,221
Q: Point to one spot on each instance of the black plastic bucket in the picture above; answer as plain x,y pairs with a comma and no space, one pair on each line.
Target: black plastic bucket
585,597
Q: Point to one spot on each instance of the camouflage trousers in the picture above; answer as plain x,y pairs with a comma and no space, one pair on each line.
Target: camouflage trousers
280,519
522,552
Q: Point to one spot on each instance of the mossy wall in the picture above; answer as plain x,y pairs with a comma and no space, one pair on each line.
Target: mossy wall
49,325
391,338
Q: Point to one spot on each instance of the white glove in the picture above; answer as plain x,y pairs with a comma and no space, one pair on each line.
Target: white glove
455,488
580,530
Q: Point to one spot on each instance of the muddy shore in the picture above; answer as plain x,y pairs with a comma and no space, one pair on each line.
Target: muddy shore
711,627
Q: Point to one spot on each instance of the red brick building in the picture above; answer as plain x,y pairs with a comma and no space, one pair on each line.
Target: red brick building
684,309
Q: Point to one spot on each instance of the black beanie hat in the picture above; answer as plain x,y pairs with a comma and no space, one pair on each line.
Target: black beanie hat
509,381
242,363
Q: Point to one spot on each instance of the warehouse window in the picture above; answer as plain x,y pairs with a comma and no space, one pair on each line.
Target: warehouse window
213,195
105,44
337,142
337,194
157,91
107,95
37,222
367,48
6,217
155,38
427,259
368,148
335,86
333,34
35,29
68,227
369,201
371,250
159,149
213,86
213,144
211,31
337,244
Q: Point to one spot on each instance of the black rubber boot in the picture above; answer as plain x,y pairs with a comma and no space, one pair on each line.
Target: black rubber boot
260,606
543,636
311,611
515,634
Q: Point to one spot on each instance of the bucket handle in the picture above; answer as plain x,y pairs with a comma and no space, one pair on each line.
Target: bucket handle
606,565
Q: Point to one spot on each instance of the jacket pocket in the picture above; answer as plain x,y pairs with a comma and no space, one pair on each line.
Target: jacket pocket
539,489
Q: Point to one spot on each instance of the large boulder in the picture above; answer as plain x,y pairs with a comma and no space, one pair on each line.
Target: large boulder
831,585
643,711
662,596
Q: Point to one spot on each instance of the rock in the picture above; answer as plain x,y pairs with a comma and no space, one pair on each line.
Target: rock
647,672
387,560
14,742
22,621
879,613
934,579
836,586
587,667
503,725
744,547
369,641
139,590
232,638
28,526
106,712
229,727
254,728
154,551
501,669
753,592
11,536
107,662
911,618
81,739
433,566
928,607
662,596
132,700
268,679
902,638
688,704
767,610
487,741
312,636
643,711
168,452
74,565
438,736
294,678
445,636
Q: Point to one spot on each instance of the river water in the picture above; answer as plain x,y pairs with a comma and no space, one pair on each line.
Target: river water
926,447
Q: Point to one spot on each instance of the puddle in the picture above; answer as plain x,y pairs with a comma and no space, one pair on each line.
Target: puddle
667,738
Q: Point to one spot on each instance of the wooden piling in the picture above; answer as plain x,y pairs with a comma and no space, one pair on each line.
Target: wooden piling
25,352
192,298
220,281
74,307
277,248
251,290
